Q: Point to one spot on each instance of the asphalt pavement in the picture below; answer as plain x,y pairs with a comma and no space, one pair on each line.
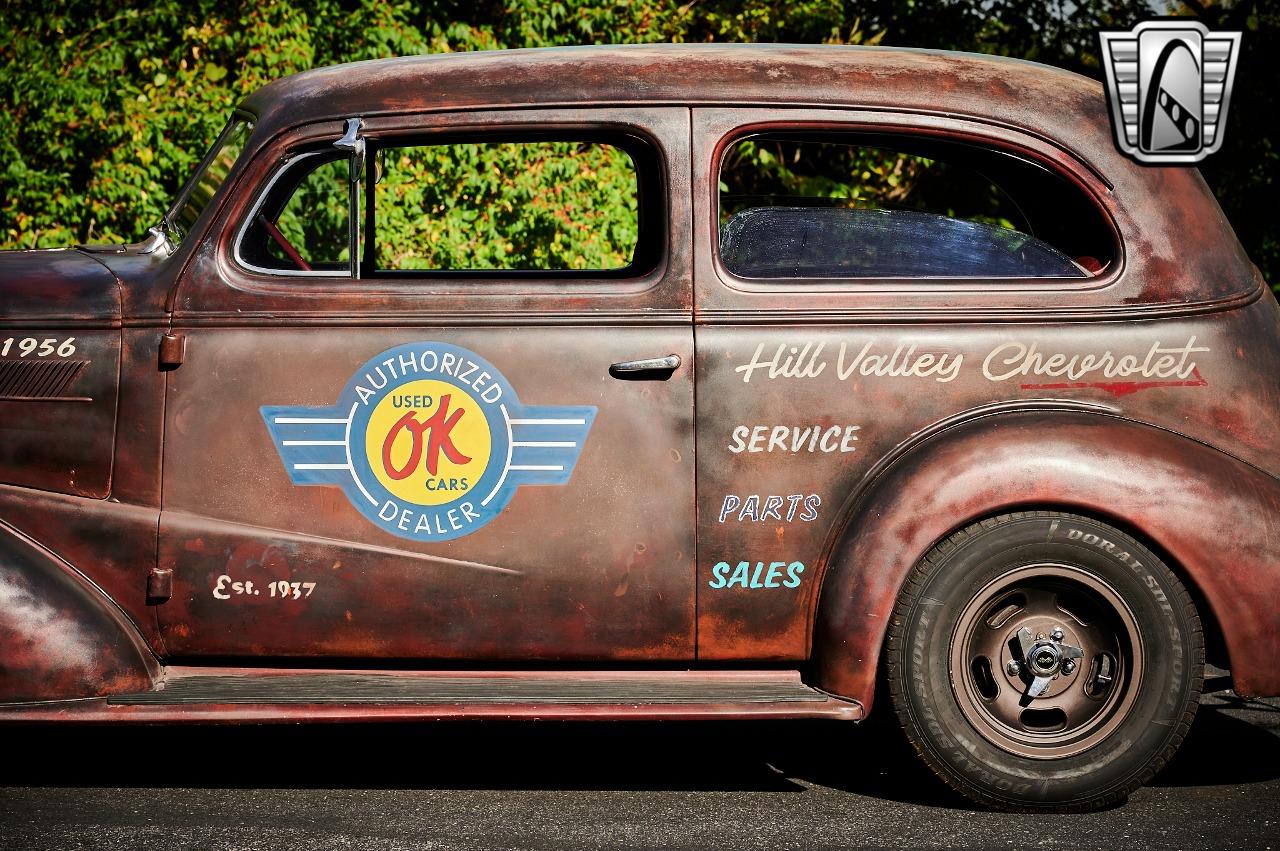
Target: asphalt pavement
697,786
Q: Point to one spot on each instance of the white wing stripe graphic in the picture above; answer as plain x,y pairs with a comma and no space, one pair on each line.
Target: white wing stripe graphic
548,422
307,420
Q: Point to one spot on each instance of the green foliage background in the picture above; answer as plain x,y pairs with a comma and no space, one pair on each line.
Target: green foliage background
109,107
548,205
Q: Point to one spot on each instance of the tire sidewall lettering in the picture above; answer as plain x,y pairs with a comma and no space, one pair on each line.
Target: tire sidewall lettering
1173,694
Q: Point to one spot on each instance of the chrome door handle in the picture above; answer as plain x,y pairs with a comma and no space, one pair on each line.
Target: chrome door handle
648,368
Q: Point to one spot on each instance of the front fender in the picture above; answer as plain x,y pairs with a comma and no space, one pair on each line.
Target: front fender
60,636
1217,517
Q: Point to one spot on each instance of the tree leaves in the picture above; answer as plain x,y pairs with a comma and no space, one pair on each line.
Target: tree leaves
109,110
537,205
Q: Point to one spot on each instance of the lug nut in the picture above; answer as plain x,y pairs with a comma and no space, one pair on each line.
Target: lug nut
1068,665
1057,634
1013,667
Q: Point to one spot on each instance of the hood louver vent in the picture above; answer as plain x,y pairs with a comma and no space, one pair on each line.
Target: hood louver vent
40,379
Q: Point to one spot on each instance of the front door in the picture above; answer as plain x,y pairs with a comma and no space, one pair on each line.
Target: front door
451,447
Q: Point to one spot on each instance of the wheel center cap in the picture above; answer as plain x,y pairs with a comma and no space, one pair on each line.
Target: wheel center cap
1044,659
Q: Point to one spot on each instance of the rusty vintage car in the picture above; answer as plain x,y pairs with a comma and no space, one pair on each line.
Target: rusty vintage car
995,452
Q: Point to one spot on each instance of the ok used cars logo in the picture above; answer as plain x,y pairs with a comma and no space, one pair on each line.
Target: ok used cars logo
429,441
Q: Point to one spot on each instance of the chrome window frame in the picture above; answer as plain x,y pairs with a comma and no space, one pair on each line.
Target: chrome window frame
284,166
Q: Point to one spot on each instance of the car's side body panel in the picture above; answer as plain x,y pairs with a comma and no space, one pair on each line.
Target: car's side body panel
1222,403
59,363
76,381
111,544
638,558
85,427
600,568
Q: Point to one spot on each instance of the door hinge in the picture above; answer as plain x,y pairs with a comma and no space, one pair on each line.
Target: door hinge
173,348
159,585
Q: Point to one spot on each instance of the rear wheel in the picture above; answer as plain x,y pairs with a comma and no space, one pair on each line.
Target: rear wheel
1044,660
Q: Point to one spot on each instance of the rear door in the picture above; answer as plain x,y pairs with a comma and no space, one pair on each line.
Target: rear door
464,452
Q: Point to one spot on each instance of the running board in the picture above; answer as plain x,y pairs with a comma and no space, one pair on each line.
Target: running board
288,695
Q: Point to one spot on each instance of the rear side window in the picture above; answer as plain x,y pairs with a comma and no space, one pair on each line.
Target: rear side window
869,206
477,207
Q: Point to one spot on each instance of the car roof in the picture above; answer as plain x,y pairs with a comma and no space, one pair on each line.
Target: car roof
1024,94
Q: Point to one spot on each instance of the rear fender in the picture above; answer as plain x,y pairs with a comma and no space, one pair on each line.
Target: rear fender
1215,516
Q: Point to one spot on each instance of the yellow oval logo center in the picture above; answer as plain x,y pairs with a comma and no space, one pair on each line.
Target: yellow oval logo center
428,442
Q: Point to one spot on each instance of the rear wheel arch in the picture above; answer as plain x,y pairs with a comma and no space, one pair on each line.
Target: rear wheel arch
1215,638
1099,466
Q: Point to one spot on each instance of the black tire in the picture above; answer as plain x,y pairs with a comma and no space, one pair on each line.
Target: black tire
1128,725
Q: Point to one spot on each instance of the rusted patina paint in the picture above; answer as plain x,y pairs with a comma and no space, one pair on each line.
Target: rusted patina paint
61,638
633,561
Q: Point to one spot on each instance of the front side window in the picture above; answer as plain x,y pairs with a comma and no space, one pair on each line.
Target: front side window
199,191
871,206
529,206
479,207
